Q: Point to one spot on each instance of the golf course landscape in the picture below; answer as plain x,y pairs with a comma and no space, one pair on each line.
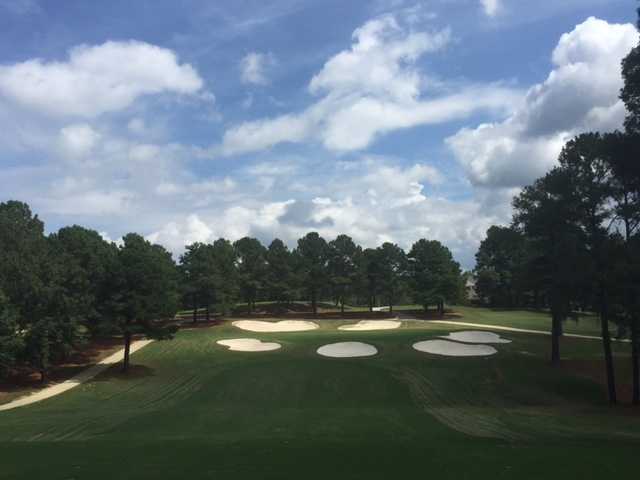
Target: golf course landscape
192,408
319,240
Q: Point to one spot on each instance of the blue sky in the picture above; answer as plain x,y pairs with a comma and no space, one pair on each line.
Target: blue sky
387,120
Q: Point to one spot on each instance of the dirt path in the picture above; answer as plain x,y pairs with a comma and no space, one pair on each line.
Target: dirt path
73,382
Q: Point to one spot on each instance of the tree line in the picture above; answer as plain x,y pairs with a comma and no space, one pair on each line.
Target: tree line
339,271
60,290
574,242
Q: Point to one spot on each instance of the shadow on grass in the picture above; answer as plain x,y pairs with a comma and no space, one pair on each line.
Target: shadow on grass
115,372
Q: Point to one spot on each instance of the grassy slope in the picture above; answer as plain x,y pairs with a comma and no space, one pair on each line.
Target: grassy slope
192,408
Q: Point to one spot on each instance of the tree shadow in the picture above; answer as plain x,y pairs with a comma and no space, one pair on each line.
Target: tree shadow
115,373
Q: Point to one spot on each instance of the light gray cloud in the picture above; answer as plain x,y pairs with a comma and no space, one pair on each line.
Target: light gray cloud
491,7
255,67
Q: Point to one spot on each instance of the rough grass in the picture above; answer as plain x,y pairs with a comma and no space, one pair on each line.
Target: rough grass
191,408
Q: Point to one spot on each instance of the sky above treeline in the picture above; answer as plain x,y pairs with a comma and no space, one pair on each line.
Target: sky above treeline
386,120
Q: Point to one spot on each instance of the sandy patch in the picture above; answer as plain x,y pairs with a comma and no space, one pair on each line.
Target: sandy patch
281,326
372,325
453,349
347,350
249,345
476,337
73,382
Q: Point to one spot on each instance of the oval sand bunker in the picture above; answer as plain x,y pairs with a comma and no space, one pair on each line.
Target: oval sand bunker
347,350
372,325
453,349
281,326
249,345
476,337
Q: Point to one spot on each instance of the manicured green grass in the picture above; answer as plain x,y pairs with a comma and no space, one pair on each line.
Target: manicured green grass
527,319
192,409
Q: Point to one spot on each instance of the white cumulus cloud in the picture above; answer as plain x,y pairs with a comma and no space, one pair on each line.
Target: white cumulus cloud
580,94
97,79
368,90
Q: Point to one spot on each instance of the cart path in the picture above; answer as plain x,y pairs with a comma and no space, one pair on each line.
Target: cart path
74,381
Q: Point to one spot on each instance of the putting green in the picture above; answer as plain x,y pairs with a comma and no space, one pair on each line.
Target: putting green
191,409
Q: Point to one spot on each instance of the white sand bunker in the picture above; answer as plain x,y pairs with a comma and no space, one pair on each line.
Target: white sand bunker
249,345
453,349
476,337
347,349
281,326
372,325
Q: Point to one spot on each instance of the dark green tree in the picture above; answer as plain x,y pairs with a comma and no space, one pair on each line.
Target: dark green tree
630,93
251,268
226,280
199,276
590,192
280,277
147,297
435,277
23,255
368,276
87,261
393,267
544,213
342,267
312,253
11,342
624,151
499,266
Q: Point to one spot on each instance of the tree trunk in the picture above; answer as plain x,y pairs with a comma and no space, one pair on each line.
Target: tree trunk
195,308
127,352
314,306
342,306
635,354
43,376
608,357
556,323
208,314
390,307
635,334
